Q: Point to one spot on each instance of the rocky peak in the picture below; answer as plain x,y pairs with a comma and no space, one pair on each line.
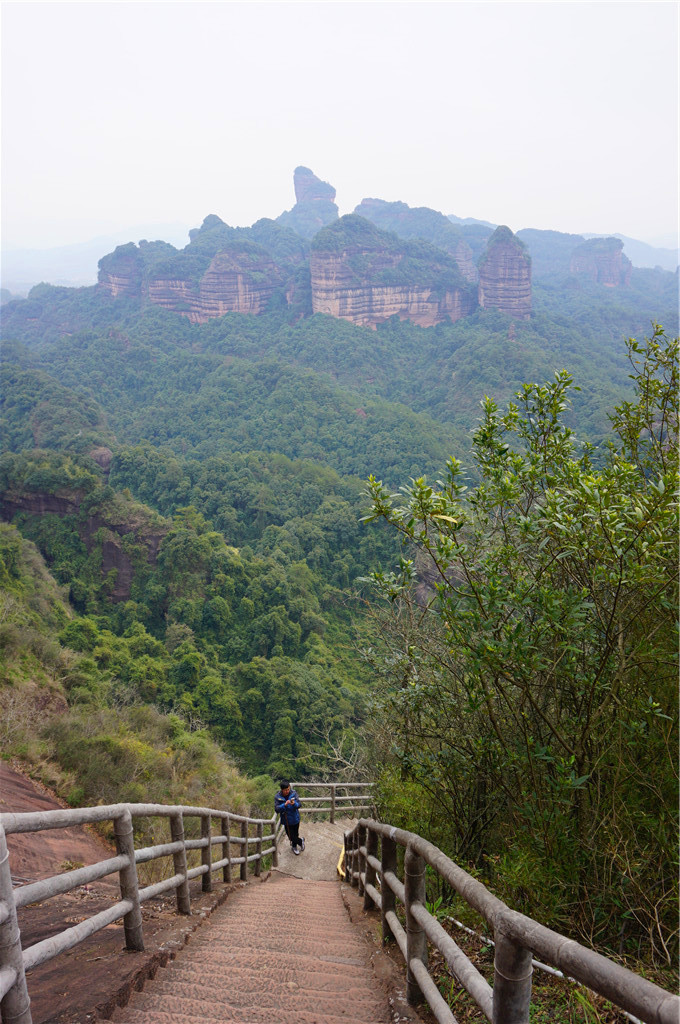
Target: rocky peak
314,208
308,187
603,261
505,275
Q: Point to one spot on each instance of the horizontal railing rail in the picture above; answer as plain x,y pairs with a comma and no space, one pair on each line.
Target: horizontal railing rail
371,864
335,800
216,831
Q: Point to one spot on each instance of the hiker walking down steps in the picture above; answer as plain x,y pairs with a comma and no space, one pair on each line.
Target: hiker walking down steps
287,804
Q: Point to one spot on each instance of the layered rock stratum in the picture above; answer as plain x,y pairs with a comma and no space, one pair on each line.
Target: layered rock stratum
505,275
365,275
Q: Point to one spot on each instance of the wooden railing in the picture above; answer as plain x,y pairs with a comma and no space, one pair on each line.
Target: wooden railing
337,801
371,864
15,961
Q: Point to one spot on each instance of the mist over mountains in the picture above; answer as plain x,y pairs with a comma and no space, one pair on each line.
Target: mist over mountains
75,265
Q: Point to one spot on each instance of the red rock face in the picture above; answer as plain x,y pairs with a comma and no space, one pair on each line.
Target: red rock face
505,276
308,187
603,262
120,284
113,555
337,292
229,285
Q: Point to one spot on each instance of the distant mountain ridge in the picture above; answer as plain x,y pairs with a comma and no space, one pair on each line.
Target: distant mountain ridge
315,209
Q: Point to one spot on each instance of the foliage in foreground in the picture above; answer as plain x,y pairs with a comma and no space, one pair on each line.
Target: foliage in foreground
529,660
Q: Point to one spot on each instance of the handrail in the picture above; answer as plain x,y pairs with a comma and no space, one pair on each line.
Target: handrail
516,936
333,802
15,961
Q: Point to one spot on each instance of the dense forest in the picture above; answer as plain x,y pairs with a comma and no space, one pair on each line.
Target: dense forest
194,567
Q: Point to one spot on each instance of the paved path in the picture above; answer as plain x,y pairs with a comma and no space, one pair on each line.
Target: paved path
275,952
323,844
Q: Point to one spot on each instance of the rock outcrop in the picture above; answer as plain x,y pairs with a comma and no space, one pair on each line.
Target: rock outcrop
121,272
93,530
239,279
505,275
602,260
421,222
365,275
314,207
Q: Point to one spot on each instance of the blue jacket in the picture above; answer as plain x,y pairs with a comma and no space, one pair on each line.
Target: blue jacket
289,815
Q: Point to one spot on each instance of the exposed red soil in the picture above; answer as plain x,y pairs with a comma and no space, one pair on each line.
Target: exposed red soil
95,976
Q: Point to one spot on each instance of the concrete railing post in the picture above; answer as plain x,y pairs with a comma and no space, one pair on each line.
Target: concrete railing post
129,885
332,803
16,1005
226,850
388,862
416,940
179,861
258,850
244,846
372,851
512,980
206,854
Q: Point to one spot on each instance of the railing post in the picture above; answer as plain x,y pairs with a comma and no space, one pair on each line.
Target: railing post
512,980
258,850
16,1005
332,803
179,861
416,940
388,861
206,854
244,865
353,858
361,841
226,849
275,854
129,885
371,850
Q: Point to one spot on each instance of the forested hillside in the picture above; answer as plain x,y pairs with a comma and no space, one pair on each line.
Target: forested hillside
184,573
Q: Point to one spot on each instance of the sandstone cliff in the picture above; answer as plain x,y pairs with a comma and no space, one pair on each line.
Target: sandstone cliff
421,222
505,275
603,261
314,207
366,275
240,278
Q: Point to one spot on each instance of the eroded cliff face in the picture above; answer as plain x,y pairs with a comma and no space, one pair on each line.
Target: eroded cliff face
505,275
241,281
602,260
122,271
359,274
94,530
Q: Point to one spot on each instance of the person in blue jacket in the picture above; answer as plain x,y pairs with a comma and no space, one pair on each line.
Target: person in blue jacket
287,804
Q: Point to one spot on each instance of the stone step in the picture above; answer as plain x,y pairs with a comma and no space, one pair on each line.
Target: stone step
320,974
194,1014
341,964
232,993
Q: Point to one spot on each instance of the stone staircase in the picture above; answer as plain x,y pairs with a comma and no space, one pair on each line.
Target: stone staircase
277,952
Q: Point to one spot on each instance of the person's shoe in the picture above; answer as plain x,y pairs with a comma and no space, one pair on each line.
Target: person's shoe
297,851
302,844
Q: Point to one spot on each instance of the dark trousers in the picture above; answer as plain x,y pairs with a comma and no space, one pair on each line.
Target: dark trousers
292,833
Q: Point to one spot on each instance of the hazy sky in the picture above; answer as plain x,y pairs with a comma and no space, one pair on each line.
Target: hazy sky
547,115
